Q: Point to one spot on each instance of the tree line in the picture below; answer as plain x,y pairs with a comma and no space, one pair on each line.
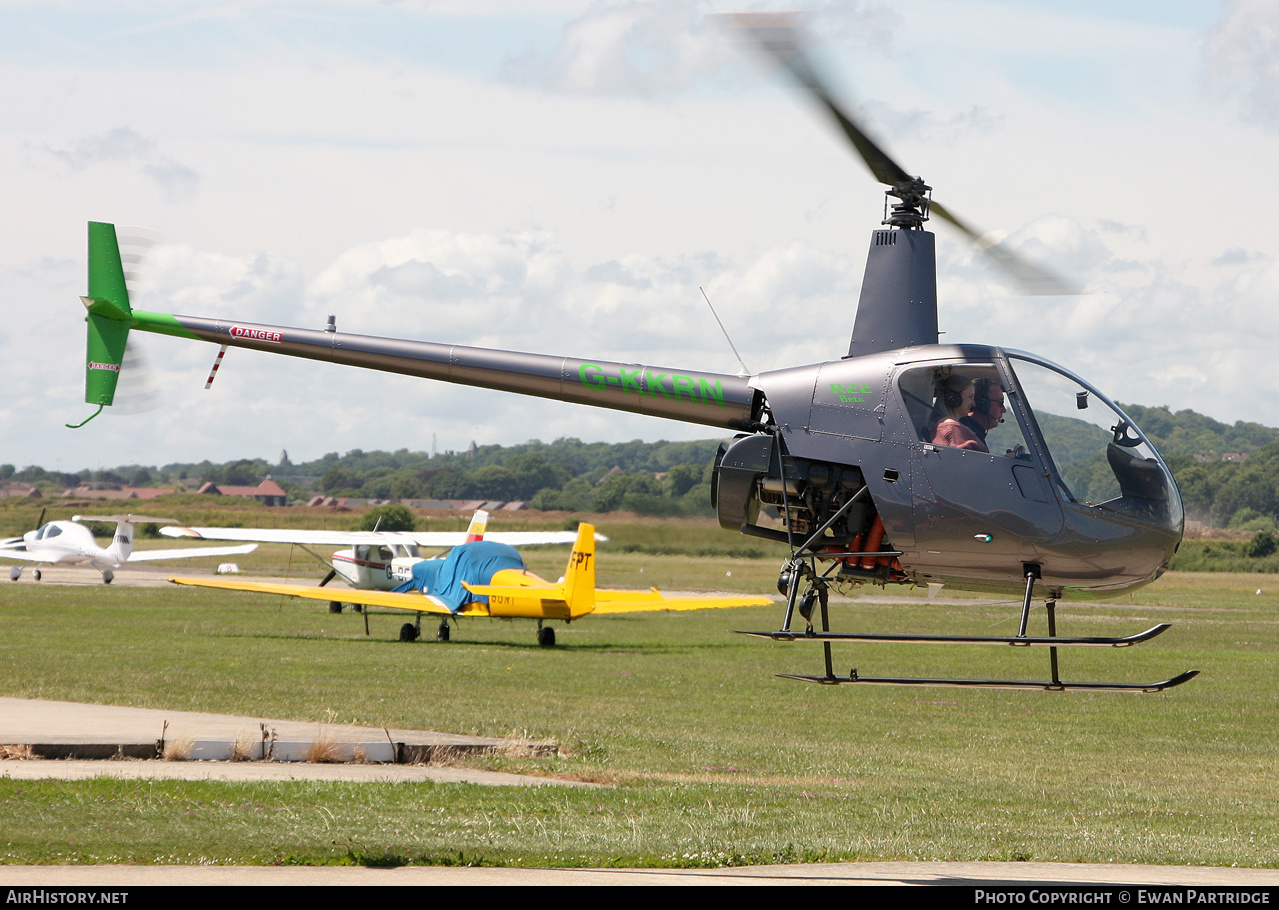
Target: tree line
673,478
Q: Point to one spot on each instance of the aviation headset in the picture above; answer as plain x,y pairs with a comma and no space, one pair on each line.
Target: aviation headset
950,390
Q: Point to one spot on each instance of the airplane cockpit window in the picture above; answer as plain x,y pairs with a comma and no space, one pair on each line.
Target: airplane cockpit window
962,405
1101,458
49,530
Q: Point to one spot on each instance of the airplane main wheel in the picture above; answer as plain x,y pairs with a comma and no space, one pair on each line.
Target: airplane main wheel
107,577
35,573
357,608
408,632
442,633
15,572
335,606
546,637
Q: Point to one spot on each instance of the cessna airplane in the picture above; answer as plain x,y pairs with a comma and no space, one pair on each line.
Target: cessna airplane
486,578
69,543
376,560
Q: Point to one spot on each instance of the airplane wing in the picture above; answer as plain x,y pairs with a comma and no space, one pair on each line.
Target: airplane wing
190,552
646,601
9,553
417,603
607,601
374,538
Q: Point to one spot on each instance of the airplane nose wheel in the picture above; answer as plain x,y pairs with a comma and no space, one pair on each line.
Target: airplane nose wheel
35,573
546,637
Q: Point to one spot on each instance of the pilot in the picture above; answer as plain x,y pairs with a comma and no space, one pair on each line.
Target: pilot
953,401
988,408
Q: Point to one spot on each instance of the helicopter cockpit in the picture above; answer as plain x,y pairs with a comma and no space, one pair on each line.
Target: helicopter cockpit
1055,470
1093,453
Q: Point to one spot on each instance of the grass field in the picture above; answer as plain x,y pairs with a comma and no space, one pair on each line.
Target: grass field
710,758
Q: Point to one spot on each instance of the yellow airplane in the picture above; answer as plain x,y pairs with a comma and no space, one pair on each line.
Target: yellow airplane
486,578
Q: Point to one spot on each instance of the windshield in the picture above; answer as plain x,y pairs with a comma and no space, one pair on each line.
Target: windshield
1101,458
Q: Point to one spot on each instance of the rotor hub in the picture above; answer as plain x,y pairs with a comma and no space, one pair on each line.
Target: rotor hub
912,210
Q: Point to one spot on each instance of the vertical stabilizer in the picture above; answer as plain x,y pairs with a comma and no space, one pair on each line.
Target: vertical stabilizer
898,305
121,541
109,315
479,524
579,577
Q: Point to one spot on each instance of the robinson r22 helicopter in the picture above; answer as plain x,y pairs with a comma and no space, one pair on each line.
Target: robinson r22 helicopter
1065,495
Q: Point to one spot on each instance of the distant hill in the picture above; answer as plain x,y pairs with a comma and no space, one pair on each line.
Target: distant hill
1185,434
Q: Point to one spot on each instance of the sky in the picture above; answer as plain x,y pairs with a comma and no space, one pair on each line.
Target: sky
562,176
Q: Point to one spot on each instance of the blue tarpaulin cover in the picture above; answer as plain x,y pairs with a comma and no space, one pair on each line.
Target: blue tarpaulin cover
474,563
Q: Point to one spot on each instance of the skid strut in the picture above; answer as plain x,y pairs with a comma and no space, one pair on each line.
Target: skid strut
800,573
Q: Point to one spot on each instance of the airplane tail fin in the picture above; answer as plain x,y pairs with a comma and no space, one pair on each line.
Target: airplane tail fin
109,317
479,523
579,577
122,541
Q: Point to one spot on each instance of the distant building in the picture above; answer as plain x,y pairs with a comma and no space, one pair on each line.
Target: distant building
13,488
268,492
1234,457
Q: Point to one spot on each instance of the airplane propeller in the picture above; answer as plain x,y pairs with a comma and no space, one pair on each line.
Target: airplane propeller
780,37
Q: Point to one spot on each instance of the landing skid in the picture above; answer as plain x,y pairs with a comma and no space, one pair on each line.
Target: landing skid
1013,640
800,571
1045,685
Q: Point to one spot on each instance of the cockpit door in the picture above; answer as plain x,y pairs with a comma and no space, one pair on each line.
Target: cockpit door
991,498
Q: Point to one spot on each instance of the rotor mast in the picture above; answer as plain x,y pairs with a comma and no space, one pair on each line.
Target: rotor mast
898,303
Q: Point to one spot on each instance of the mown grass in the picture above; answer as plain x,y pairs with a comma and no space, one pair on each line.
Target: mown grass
710,759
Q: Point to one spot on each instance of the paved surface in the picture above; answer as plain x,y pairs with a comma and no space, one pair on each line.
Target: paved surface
31,721
961,874
25,721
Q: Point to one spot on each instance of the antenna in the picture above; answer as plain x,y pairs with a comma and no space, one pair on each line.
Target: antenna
742,371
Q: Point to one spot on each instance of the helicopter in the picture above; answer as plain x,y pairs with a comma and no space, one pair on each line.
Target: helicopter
1064,495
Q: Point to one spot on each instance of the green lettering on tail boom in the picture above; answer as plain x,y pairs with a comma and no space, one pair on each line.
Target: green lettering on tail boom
638,381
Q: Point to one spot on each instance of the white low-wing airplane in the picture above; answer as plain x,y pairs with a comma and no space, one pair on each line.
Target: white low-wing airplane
377,560
68,543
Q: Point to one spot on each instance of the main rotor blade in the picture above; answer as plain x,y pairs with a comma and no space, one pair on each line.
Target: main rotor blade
1030,277
780,36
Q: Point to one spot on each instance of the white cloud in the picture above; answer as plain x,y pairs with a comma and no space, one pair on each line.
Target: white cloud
344,166
1242,58
126,145
630,48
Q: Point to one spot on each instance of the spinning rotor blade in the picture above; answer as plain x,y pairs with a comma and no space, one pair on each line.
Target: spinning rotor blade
1030,278
780,37
136,391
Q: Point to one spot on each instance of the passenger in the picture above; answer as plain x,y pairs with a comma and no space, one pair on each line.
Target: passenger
988,408
954,400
